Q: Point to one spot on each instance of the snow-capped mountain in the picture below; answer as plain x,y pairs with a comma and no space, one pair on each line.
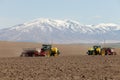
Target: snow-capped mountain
61,31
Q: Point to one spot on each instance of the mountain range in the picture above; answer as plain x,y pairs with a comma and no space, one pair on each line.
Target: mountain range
61,31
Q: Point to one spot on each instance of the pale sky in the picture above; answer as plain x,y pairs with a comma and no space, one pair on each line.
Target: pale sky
13,12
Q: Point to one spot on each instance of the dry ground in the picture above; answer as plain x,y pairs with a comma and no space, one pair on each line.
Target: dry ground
61,68
14,49
72,64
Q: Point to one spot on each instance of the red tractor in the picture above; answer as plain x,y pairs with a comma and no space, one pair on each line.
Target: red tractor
46,50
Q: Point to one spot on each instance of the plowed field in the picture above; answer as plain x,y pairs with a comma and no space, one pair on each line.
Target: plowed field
61,68
72,64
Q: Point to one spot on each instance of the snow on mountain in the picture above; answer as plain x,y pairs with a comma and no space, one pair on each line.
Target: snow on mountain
61,31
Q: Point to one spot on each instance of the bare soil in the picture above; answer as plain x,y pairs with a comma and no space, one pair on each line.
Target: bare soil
72,64
61,68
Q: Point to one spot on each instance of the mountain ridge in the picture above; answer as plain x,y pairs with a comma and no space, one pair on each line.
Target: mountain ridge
61,31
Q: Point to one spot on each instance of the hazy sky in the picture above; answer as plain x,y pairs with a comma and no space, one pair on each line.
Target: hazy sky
14,12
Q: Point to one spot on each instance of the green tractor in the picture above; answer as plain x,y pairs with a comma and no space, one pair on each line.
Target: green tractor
46,51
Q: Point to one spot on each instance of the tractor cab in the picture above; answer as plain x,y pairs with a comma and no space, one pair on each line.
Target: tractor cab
96,46
46,47
45,50
48,50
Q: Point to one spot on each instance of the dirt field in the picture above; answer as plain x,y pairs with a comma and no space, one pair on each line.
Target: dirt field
14,49
61,68
72,64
